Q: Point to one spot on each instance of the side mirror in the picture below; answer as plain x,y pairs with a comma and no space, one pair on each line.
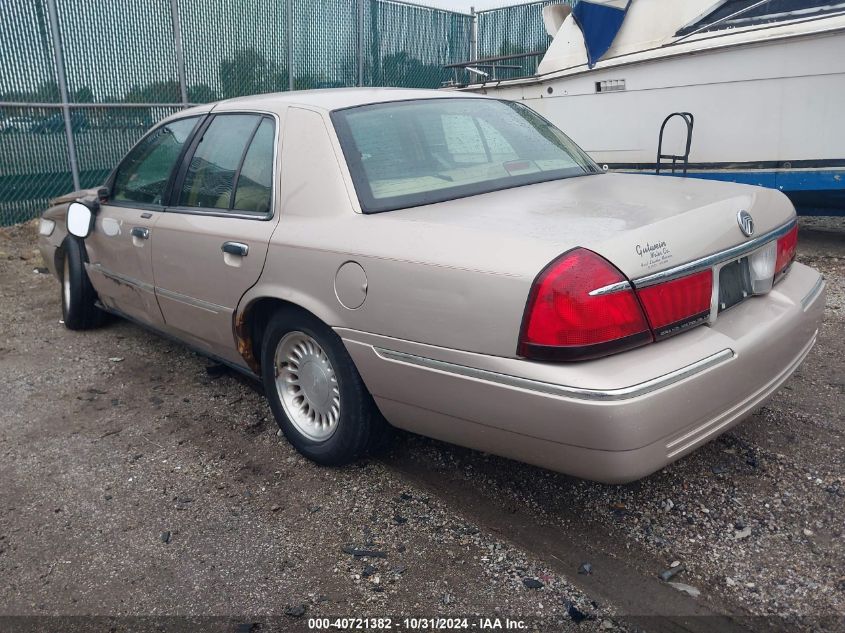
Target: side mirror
80,219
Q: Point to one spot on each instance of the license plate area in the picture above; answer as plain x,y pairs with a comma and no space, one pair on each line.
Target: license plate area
734,284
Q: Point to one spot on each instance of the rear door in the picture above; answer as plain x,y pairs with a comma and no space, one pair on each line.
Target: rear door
211,243
119,249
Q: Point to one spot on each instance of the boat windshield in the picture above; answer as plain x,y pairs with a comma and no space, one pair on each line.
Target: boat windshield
735,14
410,153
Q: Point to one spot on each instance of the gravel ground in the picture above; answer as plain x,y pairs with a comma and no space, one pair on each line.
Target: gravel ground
140,480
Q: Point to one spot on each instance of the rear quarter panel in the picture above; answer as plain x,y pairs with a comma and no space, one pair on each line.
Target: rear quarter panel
425,282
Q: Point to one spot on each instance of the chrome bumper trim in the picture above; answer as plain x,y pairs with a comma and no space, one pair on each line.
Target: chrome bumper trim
811,296
578,393
711,260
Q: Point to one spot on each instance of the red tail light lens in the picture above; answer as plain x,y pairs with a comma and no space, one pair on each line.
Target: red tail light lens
563,321
676,305
787,245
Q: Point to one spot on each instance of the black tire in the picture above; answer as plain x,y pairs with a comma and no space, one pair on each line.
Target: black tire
360,429
79,309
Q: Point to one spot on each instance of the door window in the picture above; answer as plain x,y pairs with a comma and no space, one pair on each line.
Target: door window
144,173
255,181
211,177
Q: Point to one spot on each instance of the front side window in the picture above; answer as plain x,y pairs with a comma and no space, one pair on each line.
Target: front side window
144,173
410,153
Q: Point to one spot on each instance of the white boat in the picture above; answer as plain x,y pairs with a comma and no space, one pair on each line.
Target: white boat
761,85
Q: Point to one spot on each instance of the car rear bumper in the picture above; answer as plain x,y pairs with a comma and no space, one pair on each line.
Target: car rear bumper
614,419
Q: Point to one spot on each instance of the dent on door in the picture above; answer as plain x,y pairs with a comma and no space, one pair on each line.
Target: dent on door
120,262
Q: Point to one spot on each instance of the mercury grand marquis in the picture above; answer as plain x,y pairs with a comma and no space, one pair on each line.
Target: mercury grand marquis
449,264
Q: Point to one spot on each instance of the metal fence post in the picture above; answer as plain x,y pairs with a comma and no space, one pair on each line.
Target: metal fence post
361,42
60,76
473,35
177,45
289,18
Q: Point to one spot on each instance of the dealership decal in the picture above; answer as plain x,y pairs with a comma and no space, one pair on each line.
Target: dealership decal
653,254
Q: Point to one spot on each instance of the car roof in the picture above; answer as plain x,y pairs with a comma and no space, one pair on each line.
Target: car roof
327,99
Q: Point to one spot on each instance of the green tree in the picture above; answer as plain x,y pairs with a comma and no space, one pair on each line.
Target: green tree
402,70
83,95
510,48
48,92
155,92
246,73
201,93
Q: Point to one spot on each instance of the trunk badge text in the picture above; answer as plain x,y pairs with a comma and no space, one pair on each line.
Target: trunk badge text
746,223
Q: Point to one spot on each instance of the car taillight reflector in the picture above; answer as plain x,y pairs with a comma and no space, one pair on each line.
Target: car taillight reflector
677,304
787,245
564,321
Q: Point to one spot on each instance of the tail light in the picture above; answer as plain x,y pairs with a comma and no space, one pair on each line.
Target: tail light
787,245
566,319
678,304
581,306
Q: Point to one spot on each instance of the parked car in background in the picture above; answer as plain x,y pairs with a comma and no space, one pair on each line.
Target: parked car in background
15,124
55,123
124,119
451,264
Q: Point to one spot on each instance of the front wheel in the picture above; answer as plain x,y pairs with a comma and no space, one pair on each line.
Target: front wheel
79,309
315,391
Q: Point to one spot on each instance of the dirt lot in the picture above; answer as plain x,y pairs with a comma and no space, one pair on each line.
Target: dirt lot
137,479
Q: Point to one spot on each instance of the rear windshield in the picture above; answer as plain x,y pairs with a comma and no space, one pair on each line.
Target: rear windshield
410,153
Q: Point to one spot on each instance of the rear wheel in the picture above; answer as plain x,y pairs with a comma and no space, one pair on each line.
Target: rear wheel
315,391
79,310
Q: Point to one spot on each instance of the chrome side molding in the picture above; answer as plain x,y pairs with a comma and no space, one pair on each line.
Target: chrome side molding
577,393
122,279
191,301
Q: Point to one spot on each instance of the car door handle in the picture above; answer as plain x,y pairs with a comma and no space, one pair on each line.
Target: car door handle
141,233
235,248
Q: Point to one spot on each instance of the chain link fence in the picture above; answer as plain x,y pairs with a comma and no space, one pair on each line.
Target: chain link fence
515,30
82,80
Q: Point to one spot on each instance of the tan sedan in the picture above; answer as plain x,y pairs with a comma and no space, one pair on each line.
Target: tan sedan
451,264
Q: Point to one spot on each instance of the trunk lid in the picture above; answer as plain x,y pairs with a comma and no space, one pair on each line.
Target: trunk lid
642,224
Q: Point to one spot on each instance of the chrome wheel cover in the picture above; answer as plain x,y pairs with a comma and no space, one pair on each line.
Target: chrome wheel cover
307,386
66,283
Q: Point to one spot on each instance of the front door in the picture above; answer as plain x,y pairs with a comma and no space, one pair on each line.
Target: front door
210,245
120,246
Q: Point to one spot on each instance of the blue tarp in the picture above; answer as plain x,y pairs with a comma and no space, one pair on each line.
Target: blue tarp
599,23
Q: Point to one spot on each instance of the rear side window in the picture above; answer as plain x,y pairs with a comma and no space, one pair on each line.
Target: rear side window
210,180
254,186
144,173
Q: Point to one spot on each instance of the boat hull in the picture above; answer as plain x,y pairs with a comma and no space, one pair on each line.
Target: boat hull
769,112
